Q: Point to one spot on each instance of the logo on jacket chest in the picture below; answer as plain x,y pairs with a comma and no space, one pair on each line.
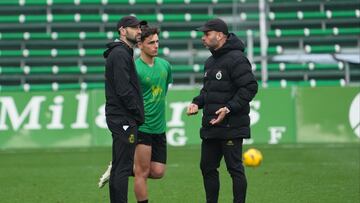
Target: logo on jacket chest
218,75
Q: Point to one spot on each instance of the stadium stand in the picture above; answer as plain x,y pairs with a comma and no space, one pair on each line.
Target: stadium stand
58,44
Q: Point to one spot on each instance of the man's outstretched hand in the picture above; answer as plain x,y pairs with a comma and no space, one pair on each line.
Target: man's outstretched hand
192,109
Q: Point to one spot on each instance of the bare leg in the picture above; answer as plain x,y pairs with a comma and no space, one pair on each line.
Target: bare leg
157,170
142,171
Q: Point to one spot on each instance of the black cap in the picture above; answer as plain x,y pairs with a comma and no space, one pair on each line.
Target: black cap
214,25
130,21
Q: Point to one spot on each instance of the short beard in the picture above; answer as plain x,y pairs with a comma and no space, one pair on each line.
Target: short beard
213,46
132,41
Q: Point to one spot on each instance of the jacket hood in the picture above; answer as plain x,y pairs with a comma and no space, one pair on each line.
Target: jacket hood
232,43
112,45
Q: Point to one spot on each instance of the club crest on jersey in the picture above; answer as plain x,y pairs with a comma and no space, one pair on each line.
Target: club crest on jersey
131,138
218,75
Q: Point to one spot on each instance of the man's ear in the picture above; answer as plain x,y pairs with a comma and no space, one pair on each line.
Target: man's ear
218,36
122,31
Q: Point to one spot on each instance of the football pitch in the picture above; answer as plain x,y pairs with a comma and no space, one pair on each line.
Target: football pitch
289,174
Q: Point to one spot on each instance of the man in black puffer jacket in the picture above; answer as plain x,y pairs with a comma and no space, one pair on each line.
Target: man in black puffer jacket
229,86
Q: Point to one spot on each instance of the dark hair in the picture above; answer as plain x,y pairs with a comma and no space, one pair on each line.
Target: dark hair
146,31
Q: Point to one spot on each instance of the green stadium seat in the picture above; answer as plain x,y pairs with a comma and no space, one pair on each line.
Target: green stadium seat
62,52
187,68
249,16
303,15
98,35
75,32
319,83
52,87
53,18
180,34
271,50
165,51
313,32
323,49
30,70
10,70
310,83
278,33
302,66
84,86
33,70
109,2
11,53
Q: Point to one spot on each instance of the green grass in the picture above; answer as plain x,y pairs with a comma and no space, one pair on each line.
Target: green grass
290,173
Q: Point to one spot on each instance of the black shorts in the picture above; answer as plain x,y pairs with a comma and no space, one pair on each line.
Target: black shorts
157,143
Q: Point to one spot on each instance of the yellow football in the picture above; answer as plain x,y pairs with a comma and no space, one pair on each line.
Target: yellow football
252,157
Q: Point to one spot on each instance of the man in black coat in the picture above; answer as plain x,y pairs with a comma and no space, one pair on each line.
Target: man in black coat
228,87
124,105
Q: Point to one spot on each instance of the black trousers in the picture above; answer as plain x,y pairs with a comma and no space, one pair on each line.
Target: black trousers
123,149
212,151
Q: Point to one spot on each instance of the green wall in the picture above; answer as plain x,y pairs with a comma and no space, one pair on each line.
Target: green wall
278,115
328,114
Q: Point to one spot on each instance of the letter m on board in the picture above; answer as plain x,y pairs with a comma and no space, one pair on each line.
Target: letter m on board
8,109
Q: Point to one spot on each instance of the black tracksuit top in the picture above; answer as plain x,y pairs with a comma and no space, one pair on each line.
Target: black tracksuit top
122,89
228,81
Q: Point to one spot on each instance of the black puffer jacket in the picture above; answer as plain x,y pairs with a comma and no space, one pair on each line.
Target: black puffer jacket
124,100
228,81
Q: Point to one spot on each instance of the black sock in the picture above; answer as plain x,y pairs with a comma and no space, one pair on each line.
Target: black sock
144,201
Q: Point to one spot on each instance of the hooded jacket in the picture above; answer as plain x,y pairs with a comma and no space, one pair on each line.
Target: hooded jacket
124,101
228,82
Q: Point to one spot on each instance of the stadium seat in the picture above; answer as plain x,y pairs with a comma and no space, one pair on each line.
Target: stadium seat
109,2
77,17
310,83
28,70
52,87
187,68
99,35
160,17
53,38
323,49
61,52
300,15
27,53
278,33
306,32
303,66
83,69
56,35
85,86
